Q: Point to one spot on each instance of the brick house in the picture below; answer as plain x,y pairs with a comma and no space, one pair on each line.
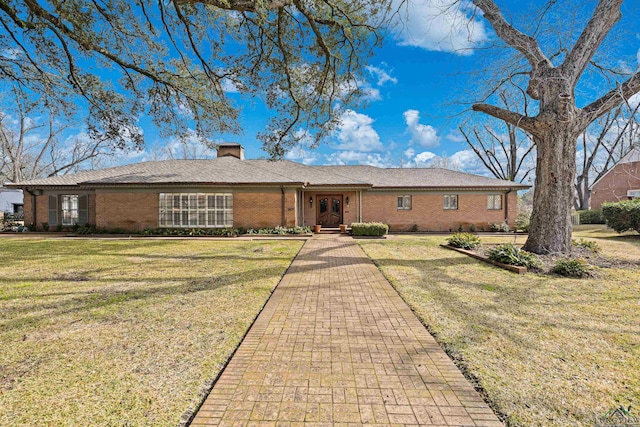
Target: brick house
229,191
621,182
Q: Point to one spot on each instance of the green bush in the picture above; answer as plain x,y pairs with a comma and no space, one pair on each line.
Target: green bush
523,221
499,227
464,241
280,230
369,229
45,226
592,216
509,254
622,216
187,232
572,267
587,244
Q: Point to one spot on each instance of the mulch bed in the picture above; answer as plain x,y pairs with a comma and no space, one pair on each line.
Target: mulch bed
548,261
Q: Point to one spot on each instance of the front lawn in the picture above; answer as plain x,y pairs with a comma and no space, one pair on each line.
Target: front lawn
547,350
124,332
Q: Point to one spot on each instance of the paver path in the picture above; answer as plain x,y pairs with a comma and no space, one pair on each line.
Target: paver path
336,344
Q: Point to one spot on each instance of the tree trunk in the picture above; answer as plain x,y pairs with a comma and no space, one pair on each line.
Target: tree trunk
553,195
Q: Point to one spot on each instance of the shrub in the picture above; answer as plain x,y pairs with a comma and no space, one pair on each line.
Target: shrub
509,254
587,244
472,228
45,226
592,216
523,221
499,227
464,241
414,228
622,216
369,229
571,267
280,230
184,232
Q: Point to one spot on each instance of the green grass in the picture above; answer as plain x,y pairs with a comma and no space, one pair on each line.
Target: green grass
548,351
124,332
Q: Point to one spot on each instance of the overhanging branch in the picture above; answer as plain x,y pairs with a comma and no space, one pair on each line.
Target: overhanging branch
523,122
610,100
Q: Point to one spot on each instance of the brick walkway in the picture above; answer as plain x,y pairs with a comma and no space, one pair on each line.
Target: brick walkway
335,344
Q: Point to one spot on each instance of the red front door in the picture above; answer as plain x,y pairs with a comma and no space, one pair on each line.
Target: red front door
329,210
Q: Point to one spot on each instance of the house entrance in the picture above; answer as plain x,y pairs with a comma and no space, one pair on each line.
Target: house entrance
329,210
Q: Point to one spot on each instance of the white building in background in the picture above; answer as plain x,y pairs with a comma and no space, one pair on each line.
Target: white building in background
11,201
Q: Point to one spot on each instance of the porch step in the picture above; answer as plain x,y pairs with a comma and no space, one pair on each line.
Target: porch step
329,231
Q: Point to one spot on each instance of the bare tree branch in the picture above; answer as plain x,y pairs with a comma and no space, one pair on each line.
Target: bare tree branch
607,13
523,122
610,100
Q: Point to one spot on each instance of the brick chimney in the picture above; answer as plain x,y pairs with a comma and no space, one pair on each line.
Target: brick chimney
232,149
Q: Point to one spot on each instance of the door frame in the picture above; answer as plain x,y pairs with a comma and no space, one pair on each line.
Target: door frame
318,196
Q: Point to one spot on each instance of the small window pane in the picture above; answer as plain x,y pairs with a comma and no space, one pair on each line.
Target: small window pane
451,201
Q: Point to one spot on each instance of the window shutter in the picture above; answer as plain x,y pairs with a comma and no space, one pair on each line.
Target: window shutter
83,210
53,210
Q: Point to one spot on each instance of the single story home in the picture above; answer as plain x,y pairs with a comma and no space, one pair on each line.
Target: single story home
621,182
229,191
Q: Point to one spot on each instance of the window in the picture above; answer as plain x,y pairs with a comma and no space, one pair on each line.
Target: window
494,202
451,201
193,210
69,208
404,202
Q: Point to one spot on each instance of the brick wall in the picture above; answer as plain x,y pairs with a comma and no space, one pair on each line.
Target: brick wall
614,185
263,209
42,209
428,213
131,211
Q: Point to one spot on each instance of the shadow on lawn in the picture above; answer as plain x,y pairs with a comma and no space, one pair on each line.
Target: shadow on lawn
25,255
524,306
99,298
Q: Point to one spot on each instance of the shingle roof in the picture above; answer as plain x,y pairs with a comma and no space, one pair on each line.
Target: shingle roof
230,170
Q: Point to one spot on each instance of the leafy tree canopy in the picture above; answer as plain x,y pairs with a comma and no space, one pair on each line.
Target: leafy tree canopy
176,60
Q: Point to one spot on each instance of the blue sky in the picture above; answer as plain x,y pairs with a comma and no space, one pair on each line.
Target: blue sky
412,85
412,82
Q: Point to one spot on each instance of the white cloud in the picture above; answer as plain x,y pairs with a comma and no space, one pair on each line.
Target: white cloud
357,157
465,160
355,132
424,159
634,100
440,25
409,153
302,151
423,135
455,137
638,57
229,86
307,157
381,74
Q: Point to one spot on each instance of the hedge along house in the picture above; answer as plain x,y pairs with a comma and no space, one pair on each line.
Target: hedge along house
621,182
229,191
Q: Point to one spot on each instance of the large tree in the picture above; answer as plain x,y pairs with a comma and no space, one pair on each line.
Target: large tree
559,121
178,60
33,144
